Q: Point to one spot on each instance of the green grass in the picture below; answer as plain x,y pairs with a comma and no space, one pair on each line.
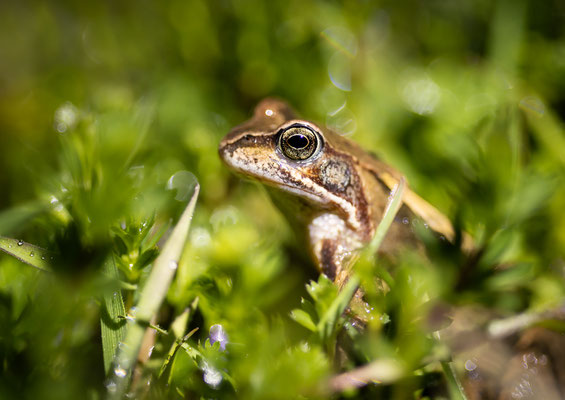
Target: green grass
108,112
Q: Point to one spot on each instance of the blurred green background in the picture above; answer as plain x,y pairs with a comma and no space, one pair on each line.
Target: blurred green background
103,103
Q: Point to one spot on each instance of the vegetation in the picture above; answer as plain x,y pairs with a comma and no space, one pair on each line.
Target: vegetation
110,112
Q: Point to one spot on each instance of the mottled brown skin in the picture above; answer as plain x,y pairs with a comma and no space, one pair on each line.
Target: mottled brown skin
336,199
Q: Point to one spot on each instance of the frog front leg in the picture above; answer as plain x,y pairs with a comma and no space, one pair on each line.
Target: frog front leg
332,244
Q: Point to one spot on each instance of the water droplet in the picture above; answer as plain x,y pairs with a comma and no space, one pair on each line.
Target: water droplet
20,242
120,372
43,257
405,221
9,246
269,112
32,254
173,264
470,365
183,182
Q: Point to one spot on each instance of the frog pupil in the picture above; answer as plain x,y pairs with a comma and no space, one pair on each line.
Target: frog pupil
298,141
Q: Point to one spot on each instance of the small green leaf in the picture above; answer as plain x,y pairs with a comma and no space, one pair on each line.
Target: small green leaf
328,321
323,293
310,309
178,326
303,318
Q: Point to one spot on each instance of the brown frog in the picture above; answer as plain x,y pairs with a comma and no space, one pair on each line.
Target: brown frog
333,192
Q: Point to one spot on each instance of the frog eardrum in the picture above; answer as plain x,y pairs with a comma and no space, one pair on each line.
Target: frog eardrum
299,142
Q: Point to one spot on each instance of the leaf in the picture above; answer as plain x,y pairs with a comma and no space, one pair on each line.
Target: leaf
303,318
27,253
112,324
178,326
328,321
310,309
323,293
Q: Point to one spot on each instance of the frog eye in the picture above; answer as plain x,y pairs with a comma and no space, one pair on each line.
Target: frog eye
299,142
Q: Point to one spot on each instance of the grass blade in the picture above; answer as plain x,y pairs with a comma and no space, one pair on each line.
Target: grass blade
112,327
27,253
393,205
454,386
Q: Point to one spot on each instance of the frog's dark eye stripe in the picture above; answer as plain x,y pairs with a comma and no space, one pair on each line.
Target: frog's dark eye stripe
299,142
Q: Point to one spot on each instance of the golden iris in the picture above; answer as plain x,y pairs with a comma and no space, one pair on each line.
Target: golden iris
299,142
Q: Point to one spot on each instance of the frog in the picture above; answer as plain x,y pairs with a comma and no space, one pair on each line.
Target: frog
332,192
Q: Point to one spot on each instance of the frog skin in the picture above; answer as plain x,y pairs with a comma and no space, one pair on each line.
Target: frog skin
332,192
